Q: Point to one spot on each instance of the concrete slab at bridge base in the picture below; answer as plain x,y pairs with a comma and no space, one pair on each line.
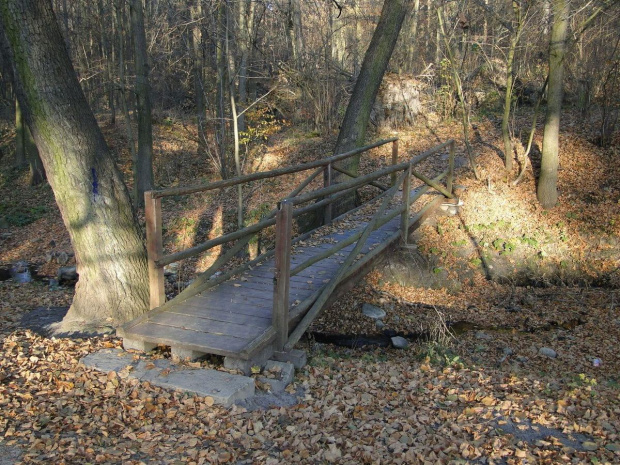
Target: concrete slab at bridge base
223,388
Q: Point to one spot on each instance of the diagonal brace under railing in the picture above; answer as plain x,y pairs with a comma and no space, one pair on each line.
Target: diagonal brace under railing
329,288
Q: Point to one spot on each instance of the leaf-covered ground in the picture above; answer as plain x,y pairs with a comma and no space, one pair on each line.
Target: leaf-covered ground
485,395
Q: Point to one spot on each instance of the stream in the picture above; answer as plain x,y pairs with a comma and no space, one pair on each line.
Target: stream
457,328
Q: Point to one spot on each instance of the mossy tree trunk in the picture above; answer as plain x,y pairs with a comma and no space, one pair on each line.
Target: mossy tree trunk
547,191
91,196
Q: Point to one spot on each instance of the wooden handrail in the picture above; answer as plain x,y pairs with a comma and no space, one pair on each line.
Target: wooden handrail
327,195
266,174
355,236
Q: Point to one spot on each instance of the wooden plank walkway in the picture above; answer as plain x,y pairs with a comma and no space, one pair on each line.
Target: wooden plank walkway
229,318
235,318
267,306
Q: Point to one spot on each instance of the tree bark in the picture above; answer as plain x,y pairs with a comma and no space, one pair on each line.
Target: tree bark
35,165
355,123
26,150
143,165
20,147
93,201
353,130
547,192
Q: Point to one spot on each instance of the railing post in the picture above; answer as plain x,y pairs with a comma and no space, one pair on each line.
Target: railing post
327,181
450,167
154,248
394,160
404,219
281,277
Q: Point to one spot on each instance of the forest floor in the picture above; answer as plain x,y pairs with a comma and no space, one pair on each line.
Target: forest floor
528,373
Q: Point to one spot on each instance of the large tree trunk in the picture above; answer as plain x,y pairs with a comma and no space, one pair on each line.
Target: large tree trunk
143,165
547,192
353,130
91,196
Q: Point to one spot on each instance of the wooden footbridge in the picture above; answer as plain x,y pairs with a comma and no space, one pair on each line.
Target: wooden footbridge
262,308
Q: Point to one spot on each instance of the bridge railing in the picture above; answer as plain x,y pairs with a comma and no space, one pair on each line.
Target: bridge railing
157,259
400,174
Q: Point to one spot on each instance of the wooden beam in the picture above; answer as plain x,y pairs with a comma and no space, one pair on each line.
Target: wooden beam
394,159
404,219
327,215
266,174
353,175
450,168
281,278
154,246
433,184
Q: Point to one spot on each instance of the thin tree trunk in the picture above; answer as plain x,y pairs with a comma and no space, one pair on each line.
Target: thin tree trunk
244,42
221,86
233,110
547,192
514,41
459,89
93,201
412,54
198,74
120,8
26,150
143,165
35,165
108,56
294,31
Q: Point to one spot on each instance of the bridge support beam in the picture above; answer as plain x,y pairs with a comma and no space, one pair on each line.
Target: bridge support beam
282,274
154,245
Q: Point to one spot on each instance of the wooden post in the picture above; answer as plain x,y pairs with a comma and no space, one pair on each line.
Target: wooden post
327,181
394,159
154,248
450,168
282,272
404,219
